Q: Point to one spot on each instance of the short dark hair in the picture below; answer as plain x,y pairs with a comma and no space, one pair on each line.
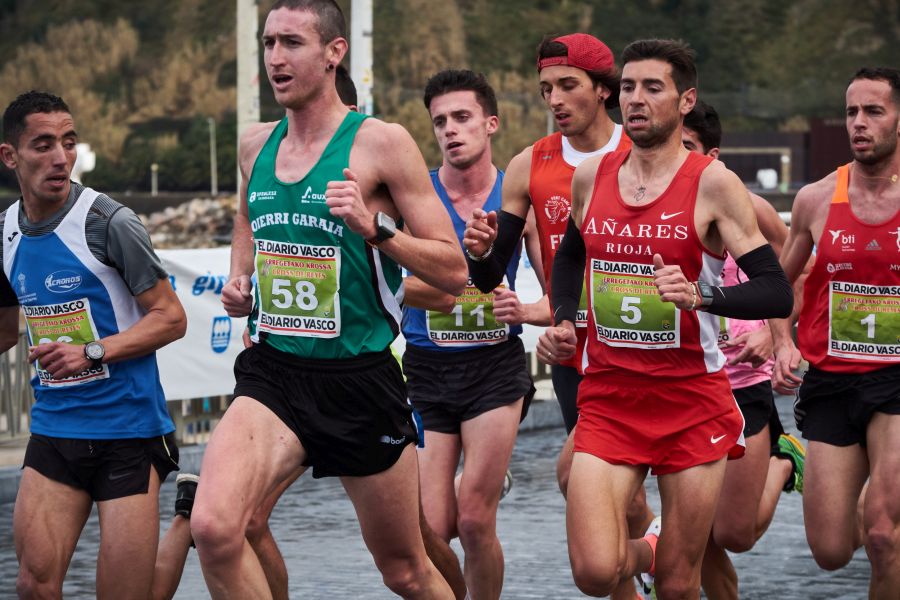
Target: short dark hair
550,48
346,89
331,19
675,52
28,104
461,80
704,121
889,75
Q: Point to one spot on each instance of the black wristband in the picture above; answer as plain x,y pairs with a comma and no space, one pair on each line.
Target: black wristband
567,278
488,273
768,294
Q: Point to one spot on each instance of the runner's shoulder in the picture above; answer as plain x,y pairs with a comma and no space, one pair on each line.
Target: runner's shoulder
254,137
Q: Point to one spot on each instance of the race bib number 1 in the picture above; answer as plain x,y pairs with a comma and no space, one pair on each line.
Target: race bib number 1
69,323
865,321
470,323
627,310
299,288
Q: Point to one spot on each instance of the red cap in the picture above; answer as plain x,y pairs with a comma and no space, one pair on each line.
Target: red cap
584,51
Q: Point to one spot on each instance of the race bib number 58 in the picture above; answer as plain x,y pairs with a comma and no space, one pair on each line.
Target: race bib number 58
298,289
627,310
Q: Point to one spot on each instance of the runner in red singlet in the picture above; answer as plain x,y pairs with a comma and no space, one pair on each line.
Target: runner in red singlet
648,236
849,330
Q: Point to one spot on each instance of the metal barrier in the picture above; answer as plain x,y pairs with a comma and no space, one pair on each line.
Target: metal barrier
16,396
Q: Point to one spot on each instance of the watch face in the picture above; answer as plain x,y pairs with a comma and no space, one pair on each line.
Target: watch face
94,351
386,226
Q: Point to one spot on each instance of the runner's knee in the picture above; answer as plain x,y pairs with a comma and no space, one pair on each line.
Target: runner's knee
404,577
216,534
735,538
674,586
31,584
475,525
594,577
831,555
882,543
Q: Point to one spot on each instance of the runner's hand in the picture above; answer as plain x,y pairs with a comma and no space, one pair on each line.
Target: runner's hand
236,297
59,359
246,338
757,347
507,308
481,231
344,199
557,344
787,360
673,286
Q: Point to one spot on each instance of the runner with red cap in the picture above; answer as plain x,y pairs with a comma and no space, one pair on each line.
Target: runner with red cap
579,82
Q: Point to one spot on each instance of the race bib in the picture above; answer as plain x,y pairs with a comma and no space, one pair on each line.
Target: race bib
581,319
724,331
864,323
69,323
299,288
470,323
627,310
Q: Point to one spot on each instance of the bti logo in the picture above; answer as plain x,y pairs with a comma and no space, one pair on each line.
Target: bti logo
221,334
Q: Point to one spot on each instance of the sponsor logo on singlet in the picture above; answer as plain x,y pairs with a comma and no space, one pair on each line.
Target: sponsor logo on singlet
847,241
254,196
873,246
636,235
557,209
311,197
897,233
835,267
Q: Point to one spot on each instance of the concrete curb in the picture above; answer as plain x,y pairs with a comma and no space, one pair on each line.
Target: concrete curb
543,413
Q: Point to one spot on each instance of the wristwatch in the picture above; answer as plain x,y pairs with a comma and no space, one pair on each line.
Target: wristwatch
385,229
706,293
94,352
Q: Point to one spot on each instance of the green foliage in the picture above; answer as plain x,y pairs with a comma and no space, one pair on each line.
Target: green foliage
127,67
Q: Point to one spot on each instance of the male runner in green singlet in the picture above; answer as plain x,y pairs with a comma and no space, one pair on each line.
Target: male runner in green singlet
319,386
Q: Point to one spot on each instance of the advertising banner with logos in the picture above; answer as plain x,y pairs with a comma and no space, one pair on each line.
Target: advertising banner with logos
200,364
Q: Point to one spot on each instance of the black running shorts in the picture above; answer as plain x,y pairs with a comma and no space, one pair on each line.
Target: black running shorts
448,388
105,469
756,402
836,408
351,415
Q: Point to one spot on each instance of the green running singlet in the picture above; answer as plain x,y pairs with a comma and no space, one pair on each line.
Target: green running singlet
320,291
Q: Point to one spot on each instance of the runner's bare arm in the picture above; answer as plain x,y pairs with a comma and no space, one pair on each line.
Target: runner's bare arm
9,327
492,238
430,250
419,294
794,259
533,248
236,297
163,322
559,342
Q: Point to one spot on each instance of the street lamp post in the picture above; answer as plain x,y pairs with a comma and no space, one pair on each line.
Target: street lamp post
213,166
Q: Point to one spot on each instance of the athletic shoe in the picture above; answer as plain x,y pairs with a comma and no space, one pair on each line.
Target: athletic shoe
507,484
789,447
645,585
184,498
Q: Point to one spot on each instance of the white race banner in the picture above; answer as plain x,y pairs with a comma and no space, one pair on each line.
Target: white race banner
201,363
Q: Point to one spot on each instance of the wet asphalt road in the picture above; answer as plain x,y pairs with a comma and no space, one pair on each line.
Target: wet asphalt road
315,526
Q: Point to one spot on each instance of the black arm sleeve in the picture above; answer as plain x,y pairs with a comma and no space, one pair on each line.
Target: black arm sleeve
767,295
568,275
488,273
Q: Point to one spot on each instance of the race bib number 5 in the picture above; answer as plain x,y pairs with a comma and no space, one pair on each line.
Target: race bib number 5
865,321
627,310
470,323
69,323
299,289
